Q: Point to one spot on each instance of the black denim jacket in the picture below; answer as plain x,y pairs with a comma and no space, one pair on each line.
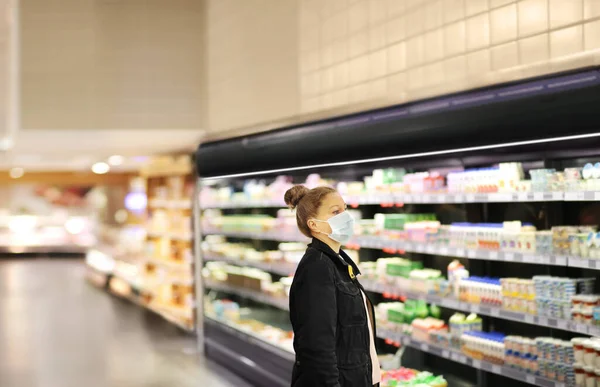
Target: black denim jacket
327,311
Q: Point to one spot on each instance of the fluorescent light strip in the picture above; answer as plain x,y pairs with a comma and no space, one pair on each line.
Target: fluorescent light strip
408,156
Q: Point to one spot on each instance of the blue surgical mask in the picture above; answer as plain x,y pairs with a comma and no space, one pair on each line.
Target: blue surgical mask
342,227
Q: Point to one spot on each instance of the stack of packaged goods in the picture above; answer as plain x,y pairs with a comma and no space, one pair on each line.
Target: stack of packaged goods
586,354
413,317
246,278
458,325
554,297
217,246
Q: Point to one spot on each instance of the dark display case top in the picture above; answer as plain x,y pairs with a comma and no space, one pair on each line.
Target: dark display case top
555,106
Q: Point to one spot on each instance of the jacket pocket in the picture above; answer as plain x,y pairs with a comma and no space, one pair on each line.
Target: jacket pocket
350,304
352,348
355,377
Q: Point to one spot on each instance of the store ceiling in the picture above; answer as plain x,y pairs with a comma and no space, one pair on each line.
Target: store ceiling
77,150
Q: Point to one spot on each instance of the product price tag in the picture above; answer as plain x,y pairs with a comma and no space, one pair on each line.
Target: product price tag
497,369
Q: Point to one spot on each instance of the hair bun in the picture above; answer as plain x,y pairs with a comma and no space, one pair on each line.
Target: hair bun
294,195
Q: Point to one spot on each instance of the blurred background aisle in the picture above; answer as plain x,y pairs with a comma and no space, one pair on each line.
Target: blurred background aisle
57,331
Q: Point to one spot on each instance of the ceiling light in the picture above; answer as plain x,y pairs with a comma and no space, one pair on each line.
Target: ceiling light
16,173
100,168
115,160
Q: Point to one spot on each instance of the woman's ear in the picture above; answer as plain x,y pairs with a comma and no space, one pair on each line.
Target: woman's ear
312,225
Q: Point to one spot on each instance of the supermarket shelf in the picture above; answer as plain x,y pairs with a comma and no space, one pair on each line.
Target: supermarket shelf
585,263
458,357
278,302
395,245
251,338
376,242
184,204
432,198
248,204
281,268
44,249
261,363
171,235
264,235
485,310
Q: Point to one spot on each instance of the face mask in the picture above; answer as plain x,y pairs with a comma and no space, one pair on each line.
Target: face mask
342,227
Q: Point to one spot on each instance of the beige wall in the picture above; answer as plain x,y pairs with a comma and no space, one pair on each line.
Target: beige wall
112,64
356,54
252,62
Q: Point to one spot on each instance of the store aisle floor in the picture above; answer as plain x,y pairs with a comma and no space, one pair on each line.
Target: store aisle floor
56,330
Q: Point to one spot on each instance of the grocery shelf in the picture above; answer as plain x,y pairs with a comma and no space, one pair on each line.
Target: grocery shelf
395,245
430,198
281,268
182,204
251,338
485,310
459,357
584,263
278,302
261,363
44,249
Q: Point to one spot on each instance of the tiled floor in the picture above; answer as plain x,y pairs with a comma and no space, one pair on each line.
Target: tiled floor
56,330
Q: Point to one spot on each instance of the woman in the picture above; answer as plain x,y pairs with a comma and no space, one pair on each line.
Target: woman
332,317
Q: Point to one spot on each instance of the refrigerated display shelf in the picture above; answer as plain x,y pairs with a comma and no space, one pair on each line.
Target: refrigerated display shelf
485,310
281,268
251,338
278,302
44,249
432,198
459,357
394,246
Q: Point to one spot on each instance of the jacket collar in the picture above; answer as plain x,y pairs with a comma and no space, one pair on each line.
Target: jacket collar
345,261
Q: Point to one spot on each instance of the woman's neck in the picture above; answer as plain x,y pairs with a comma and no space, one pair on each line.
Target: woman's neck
335,246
